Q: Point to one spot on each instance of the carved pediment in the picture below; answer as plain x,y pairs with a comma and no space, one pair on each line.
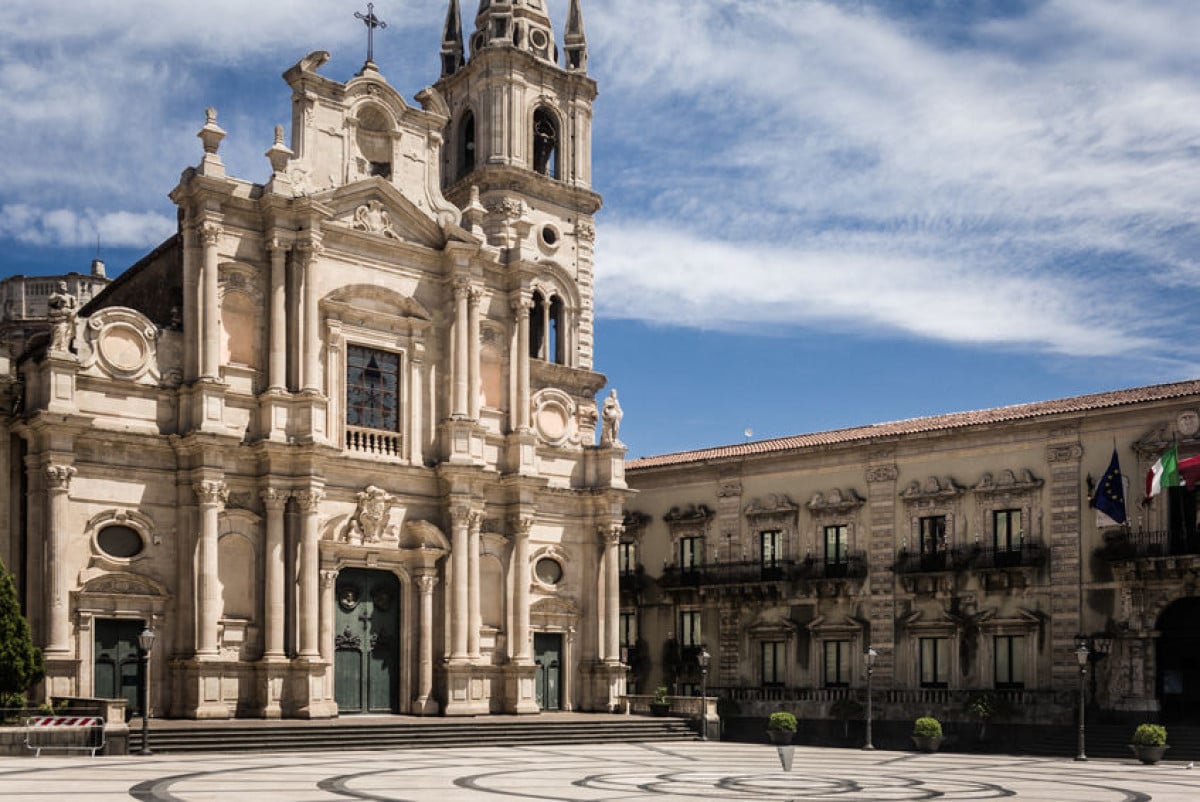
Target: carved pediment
774,504
1008,482
123,584
772,623
934,489
376,209
356,300
691,514
423,535
836,501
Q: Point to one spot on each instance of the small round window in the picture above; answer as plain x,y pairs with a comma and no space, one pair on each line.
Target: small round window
121,542
538,39
550,235
548,571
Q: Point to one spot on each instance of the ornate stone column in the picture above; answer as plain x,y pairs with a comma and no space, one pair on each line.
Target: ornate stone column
309,562
191,304
58,612
311,339
473,354
460,519
273,568
612,594
210,323
462,292
521,648
474,614
328,581
426,583
211,495
522,310
277,368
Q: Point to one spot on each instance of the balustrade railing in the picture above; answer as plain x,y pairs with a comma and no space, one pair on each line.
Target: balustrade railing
373,441
1148,545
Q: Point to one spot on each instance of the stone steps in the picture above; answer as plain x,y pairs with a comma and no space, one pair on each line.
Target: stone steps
180,737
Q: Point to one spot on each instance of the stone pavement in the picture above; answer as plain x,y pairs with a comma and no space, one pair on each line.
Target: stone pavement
685,771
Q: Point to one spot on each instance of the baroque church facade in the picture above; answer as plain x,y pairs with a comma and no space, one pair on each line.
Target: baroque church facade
335,441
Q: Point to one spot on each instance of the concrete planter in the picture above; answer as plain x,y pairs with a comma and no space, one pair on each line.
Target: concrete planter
781,737
927,743
660,709
1149,754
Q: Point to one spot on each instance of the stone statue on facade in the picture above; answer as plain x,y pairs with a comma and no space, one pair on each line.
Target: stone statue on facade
611,415
61,312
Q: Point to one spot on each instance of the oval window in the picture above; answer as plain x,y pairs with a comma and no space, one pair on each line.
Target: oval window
121,542
548,571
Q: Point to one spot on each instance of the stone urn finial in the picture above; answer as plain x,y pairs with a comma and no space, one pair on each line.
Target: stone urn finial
211,134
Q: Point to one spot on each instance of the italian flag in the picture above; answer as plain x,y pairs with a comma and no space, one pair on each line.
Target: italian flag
1169,471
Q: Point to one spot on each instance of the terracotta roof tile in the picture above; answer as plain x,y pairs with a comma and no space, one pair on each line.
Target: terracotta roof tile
954,420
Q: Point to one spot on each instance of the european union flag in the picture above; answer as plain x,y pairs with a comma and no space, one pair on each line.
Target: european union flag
1110,493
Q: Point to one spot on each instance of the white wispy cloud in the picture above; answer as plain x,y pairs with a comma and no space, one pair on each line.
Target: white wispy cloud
1021,179
1033,186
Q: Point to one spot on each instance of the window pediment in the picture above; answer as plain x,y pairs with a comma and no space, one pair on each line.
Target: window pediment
1007,483
835,502
936,489
772,506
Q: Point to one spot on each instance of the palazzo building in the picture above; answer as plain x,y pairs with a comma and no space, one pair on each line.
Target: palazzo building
335,440
960,548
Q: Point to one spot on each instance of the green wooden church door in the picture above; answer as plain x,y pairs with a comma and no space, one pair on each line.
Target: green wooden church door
367,641
117,664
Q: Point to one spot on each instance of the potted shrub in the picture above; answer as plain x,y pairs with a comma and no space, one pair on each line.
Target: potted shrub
781,727
927,734
661,704
1149,743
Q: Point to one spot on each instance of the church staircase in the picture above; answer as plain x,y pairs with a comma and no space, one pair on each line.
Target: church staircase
393,732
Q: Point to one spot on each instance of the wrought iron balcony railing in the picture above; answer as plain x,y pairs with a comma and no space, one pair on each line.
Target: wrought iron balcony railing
1029,554
741,573
1148,545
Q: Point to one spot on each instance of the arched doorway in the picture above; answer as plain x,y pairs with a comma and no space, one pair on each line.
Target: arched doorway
367,641
1178,680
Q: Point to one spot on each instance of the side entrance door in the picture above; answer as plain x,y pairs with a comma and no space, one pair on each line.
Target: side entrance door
117,665
547,653
367,628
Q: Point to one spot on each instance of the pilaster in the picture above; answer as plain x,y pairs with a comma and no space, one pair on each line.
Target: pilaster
881,550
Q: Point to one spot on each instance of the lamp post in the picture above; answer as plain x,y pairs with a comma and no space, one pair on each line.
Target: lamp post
870,656
146,643
704,657
1081,655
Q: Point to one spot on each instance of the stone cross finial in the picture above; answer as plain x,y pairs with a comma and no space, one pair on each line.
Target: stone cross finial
372,22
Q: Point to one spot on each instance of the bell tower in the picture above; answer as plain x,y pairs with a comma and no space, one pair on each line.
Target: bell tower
520,134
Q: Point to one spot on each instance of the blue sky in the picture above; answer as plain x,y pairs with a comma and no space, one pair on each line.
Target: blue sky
819,213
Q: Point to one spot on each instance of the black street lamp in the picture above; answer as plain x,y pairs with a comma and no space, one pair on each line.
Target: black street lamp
1081,655
704,657
870,656
146,643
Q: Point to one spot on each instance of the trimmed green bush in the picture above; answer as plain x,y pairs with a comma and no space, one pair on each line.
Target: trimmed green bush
21,666
927,727
1150,735
660,694
782,721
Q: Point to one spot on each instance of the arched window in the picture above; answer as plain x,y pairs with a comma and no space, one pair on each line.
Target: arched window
466,138
557,351
537,327
545,143
547,335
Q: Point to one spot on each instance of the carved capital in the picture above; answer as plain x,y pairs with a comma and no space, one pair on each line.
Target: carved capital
210,233
1066,453
273,499
460,516
309,500
585,232
210,492
462,288
328,578
309,250
522,526
882,473
611,533
476,522
426,583
277,246
58,477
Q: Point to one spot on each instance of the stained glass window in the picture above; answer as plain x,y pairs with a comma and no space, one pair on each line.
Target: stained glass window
372,388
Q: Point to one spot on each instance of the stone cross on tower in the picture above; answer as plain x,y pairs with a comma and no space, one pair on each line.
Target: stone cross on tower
372,22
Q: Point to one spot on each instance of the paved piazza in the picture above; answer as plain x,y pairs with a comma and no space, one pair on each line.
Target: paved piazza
699,771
